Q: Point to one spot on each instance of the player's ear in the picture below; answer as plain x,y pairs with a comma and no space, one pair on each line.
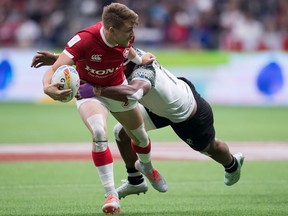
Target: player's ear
111,30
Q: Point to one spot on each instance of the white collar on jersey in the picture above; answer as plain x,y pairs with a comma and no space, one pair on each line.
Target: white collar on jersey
104,39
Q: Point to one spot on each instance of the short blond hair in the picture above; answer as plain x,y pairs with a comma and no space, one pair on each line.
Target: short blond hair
116,14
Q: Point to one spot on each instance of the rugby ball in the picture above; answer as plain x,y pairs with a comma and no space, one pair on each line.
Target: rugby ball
67,75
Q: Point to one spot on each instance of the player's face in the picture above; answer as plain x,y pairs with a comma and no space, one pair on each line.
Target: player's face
123,35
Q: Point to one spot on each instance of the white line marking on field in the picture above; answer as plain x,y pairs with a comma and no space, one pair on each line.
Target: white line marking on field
160,150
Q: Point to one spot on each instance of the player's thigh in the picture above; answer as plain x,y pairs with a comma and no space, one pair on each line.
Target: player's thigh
153,121
148,119
198,131
130,119
91,112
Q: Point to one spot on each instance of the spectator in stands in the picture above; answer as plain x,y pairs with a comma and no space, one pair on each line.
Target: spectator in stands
195,24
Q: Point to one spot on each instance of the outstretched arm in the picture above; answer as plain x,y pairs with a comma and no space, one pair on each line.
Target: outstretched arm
134,91
44,58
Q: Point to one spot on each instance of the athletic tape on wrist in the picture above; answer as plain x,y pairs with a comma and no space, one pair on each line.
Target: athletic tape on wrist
137,60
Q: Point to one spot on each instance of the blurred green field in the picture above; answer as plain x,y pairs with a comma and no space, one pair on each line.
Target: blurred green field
54,188
184,58
43,123
195,188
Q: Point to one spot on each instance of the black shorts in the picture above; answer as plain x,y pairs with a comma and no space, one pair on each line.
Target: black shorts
198,131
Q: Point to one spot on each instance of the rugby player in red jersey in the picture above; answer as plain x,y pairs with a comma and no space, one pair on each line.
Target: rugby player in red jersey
98,53
178,105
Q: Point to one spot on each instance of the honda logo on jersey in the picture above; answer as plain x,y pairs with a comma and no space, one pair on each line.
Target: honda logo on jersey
100,72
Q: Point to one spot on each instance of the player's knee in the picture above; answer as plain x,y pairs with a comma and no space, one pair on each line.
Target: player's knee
97,127
98,132
205,153
117,131
100,142
141,136
210,148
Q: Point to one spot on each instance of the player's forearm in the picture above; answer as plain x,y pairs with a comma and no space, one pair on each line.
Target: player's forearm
47,77
134,91
120,93
134,57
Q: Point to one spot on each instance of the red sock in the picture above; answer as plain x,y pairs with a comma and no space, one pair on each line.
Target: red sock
141,150
102,158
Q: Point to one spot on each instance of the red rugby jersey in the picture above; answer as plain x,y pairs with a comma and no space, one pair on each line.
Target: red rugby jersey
95,61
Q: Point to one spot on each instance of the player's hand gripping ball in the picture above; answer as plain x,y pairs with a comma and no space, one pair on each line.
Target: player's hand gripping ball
67,75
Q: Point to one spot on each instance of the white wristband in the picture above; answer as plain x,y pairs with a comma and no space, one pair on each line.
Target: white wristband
137,60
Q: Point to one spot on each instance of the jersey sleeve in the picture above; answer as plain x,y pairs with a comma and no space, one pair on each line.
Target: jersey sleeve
77,45
144,72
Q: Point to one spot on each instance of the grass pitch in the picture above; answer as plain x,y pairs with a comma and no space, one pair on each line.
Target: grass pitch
40,123
195,188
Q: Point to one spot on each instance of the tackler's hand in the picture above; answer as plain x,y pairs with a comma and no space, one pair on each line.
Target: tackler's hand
147,58
43,58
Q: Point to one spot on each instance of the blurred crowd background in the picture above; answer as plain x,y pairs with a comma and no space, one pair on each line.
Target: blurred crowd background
233,25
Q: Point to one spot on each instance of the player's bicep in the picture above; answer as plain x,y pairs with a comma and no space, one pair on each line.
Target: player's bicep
144,78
